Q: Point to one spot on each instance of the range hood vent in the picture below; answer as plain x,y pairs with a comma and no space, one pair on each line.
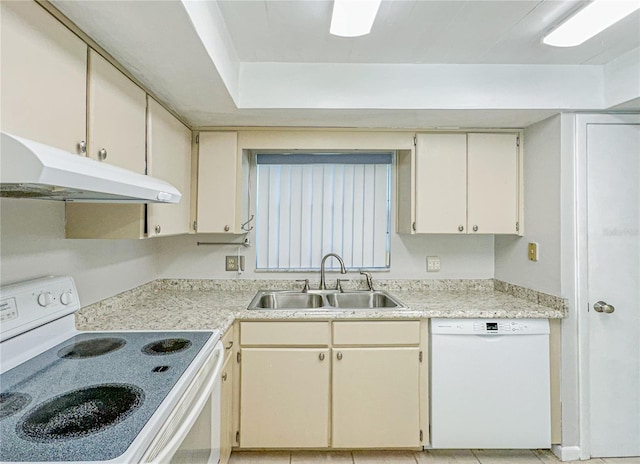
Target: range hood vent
30,169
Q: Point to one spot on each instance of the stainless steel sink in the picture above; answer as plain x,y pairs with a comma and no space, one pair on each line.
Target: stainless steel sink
277,300
327,300
362,300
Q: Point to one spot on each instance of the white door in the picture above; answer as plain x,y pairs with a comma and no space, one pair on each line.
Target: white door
613,222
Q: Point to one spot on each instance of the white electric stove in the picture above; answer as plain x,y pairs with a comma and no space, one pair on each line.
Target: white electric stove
69,396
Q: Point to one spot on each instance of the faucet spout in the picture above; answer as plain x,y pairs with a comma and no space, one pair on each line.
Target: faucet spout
343,270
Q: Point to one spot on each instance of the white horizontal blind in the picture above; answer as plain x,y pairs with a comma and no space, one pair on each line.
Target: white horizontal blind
318,204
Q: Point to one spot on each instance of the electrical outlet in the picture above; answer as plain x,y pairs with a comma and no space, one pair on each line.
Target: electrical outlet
532,251
433,263
231,263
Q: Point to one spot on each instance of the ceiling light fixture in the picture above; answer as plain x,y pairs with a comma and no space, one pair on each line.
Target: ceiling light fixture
353,18
589,21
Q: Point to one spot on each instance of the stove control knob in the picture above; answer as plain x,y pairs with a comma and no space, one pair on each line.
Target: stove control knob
66,298
45,299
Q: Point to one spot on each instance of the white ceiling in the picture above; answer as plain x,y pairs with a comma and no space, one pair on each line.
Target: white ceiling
419,31
274,63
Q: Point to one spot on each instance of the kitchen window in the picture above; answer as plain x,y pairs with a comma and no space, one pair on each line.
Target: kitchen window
312,204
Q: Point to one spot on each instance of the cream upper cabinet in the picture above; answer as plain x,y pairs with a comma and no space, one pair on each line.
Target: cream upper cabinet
284,398
464,184
376,397
441,183
219,197
492,161
169,159
117,116
43,79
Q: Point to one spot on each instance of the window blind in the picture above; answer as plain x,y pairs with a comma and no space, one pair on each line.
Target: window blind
309,205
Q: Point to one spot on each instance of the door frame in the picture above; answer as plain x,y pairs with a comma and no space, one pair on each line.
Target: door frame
581,266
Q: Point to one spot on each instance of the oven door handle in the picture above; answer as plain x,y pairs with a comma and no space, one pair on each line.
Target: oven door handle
167,452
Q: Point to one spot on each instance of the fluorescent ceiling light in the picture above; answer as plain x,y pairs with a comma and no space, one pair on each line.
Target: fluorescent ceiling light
353,18
591,20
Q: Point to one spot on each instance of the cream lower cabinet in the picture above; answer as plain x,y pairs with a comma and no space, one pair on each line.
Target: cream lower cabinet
226,410
368,376
284,398
376,384
375,398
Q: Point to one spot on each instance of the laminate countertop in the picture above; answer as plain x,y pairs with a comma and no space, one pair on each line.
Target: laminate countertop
194,305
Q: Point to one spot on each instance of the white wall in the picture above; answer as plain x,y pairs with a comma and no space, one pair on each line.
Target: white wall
32,244
542,154
462,257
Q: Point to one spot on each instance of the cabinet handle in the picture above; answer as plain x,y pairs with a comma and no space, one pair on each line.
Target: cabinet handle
227,228
102,154
475,228
228,347
158,229
460,228
82,146
224,377
321,356
339,356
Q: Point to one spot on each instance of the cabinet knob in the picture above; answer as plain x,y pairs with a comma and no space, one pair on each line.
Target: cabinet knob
321,356
224,377
228,347
158,229
475,228
339,356
102,154
227,228
82,147
460,228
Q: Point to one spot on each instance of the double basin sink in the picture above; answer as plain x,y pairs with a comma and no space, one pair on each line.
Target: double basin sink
327,300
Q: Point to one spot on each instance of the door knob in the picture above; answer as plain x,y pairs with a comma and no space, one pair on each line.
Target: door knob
603,307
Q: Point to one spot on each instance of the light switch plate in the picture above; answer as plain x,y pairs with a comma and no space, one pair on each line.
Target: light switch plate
532,251
433,263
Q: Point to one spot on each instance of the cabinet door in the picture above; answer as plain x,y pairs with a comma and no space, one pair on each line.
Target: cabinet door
169,153
284,398
43,79
441,183
219,178
376,398
492,183
117,116
226,405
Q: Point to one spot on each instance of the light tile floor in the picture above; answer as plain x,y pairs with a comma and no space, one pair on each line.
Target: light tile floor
411,457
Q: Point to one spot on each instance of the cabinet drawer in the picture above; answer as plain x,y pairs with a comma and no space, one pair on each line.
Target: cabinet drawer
376,333
285,333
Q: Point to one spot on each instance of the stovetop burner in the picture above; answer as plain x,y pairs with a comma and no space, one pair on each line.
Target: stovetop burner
80,413
12,402
91,348
90,409
166,346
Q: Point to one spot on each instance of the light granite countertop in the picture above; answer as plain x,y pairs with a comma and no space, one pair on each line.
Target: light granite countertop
194,305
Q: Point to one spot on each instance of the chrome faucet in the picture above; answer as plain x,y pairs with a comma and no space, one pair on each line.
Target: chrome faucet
343,270
367,276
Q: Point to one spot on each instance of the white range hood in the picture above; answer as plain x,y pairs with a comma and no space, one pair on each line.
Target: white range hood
30,169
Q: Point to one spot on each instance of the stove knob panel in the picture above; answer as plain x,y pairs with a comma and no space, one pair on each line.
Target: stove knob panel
66,298
45,299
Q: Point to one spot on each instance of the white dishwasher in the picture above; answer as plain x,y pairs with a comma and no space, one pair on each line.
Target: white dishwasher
490,383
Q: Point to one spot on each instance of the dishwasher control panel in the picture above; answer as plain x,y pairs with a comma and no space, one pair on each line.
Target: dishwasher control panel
490,326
